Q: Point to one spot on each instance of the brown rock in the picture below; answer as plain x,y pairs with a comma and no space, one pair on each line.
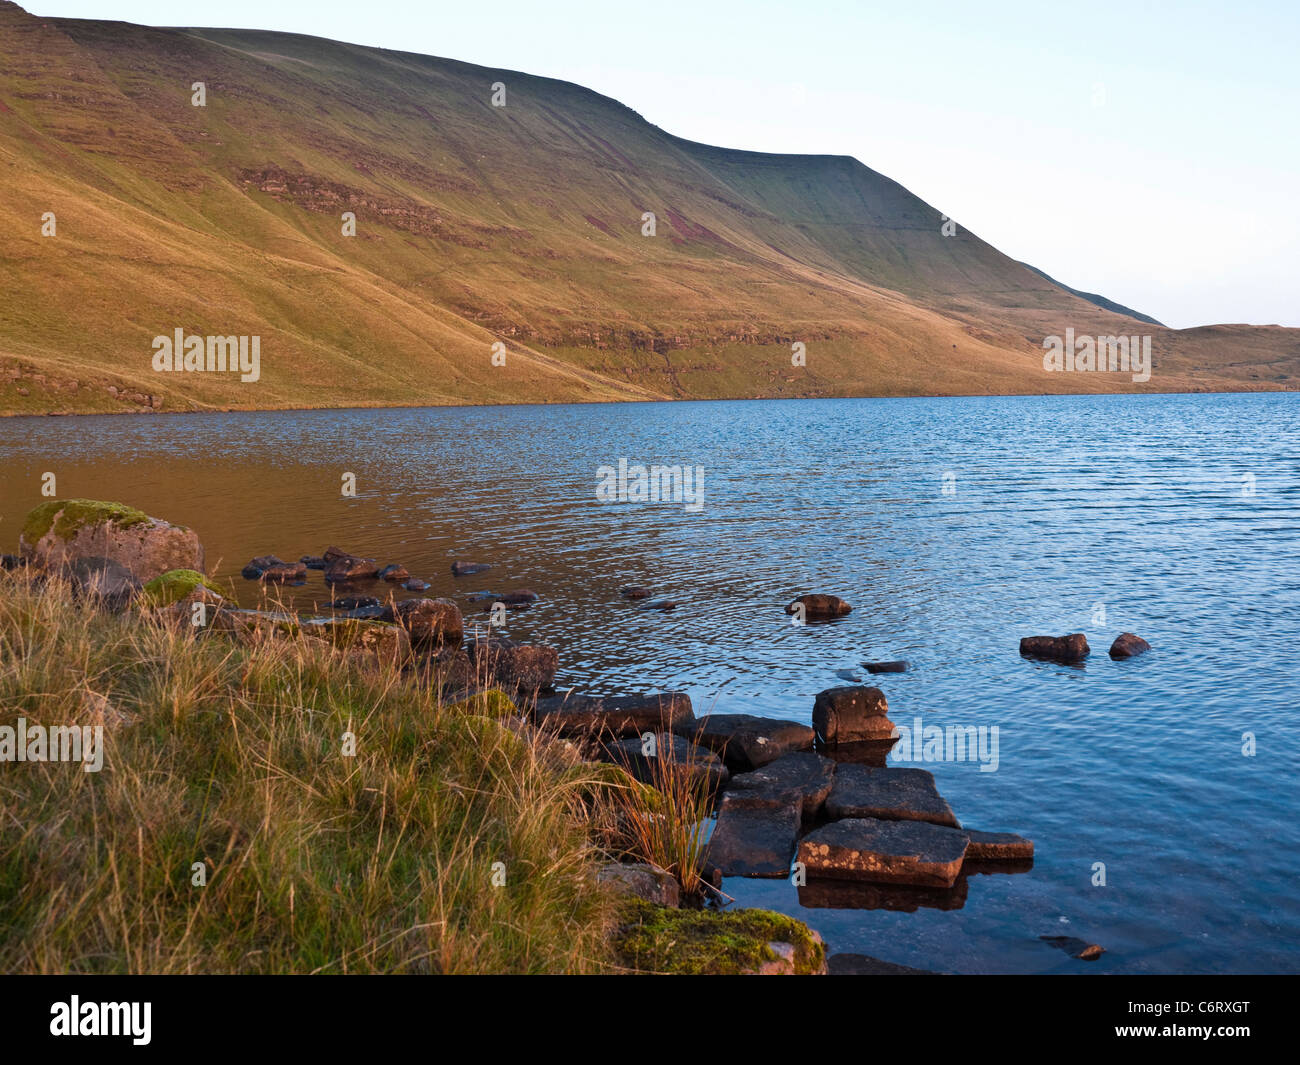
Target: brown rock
148,547
754,840
802,776
897,852
619,715
820,606
998,847
1069,650
888,794
523,668
851,715
428,621
746,741
1127,645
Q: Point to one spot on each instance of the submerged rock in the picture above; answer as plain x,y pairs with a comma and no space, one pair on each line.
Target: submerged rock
897,666
1075,947
635,591
888,794
465,569
521,597
745,741
394,572
1069,650
819,606
850,715
1127,645
619,715
313,561
659,604
897,852
865,965
416,585
61,531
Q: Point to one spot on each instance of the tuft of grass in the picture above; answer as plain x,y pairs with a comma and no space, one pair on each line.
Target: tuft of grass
447,843
666,825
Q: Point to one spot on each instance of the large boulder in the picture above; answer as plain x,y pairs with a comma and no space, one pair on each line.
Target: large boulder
1069,650
61,531
851,714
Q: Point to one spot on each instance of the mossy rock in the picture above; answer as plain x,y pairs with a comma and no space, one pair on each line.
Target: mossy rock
175,585
74,514
491,702
655,939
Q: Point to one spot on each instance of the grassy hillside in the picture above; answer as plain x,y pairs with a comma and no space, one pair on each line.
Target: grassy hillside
478,224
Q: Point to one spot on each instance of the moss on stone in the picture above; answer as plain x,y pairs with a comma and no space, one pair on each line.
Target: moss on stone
174,585
657,939
75,514
492,702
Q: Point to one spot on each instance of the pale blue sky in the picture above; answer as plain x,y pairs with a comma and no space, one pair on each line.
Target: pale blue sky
1146,151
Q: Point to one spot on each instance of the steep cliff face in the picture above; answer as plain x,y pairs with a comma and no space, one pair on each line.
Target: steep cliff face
381,225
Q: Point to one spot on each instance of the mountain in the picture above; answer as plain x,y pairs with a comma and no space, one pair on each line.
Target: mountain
1100,301
476,225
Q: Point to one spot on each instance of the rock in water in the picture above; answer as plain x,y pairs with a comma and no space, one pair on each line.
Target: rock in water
998,847
1127,645
888,794
429,621
895,852
394,572
897,666
1069,650
803,777
465,569
754,840
819,606
851,714
344,568
619,715
745,741
1075,947
256,567
61,531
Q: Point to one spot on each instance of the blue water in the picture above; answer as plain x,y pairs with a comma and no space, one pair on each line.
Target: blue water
1176,516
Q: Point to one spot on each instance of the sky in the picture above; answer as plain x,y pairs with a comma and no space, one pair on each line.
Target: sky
1146,151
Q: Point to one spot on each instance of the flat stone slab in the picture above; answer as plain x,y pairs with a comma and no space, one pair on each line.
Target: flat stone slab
866,965
700,762
620,715
888,794
745,741
891,852
802,776
753,840
998,847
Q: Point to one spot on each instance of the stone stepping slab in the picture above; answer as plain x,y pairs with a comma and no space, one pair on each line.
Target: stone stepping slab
802,776
998,847
619,715
754,840
893,852
747,742
888,794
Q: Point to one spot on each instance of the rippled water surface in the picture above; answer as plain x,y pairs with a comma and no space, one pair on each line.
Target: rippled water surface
1175,516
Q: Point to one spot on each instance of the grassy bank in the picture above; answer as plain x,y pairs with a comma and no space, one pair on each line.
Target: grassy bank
315,862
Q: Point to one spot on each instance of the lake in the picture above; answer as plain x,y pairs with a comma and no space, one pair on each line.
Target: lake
953,526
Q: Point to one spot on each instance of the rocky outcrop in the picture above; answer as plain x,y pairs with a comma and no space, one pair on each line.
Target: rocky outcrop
59,532
1069,650
852,714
